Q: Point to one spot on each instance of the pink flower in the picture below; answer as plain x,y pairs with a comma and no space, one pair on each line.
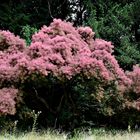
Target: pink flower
7,101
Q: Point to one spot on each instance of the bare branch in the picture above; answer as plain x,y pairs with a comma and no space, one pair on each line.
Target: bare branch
44,102
50,9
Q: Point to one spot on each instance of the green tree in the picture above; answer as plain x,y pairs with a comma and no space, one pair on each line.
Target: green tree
14,13
113,21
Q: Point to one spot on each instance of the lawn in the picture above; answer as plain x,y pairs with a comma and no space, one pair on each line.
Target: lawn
95,134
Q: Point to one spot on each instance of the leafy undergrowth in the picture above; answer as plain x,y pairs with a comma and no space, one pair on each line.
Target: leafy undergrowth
95,134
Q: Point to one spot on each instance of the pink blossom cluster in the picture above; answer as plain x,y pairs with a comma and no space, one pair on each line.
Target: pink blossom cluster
63,51
135,77
7,101
135,86
8,42
86,34
112,66
100,44
66,51
11,51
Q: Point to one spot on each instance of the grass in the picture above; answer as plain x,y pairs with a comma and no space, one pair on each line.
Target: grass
95,134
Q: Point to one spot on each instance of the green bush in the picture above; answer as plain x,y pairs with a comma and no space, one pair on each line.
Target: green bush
27,32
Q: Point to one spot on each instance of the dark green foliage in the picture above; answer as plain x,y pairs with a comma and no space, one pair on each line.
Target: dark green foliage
27,32
135,15
15,14
70,104
113,21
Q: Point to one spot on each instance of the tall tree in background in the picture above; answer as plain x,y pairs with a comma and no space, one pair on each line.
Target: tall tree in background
117,22
78,11
135,14
15,14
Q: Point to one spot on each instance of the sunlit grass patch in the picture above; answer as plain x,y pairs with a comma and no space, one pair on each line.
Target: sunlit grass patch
94,134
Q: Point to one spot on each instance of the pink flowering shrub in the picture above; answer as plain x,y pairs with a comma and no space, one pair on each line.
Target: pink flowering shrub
64,70
135,86
11,51
65,51
82,70
60,50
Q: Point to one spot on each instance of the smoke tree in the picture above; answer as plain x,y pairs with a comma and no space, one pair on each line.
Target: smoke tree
65,73
11,50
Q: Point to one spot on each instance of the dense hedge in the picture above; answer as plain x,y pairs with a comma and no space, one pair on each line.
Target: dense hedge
71,78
